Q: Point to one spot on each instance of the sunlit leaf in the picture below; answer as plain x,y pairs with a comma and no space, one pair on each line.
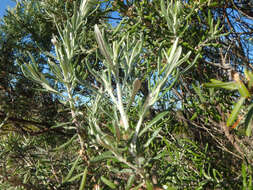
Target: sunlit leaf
198,92
154,135
66,144
130,182
82,186
149,185
153,121
248,121
219,84
249,77
243,90
104,47
102,156
235,111
71,170
108,182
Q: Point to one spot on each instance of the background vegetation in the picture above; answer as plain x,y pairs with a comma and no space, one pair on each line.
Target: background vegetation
112,94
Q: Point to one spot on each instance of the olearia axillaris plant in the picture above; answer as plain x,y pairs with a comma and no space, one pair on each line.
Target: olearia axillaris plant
61,62
124,137
245,93
121,93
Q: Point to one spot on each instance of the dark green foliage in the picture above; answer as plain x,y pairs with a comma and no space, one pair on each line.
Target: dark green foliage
160,101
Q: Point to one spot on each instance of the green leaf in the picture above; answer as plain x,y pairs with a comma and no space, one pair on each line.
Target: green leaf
250,178
207,176
30,73
153,121
194,116
190,65
103,156
249,77
248,120
137,187
75,177
171,188
243,90
198,92
244,175
149,185
108,182
60,125
210,20
85,7
82,186
49,88
103,46
65,144
217,26
71,170
163,8
219,84
215,172
235,111
117,29
173,52
55,69
130,182
136,51
152,137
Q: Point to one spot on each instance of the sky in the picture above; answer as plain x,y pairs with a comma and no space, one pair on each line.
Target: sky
4,4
